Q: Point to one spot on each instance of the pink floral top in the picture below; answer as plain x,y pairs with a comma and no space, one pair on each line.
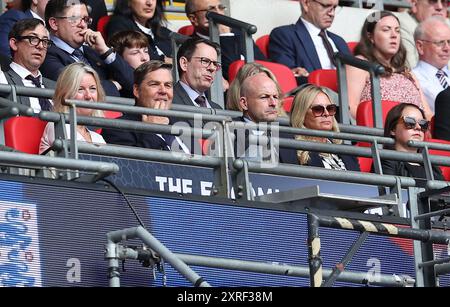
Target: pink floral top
397,87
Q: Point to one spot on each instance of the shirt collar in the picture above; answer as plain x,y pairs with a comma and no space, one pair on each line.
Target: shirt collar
193,94
22,71
312,29
63,45
146,30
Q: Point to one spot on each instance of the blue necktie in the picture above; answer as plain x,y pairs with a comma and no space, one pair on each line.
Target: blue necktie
80,56
201,101
45,104
441,75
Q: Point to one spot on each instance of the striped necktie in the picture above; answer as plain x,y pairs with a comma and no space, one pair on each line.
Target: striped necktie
441,75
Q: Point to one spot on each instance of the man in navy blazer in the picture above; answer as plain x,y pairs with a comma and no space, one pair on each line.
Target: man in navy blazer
153,89
307,45
74,42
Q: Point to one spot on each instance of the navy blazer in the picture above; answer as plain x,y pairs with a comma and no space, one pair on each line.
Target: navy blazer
442,115
7,21
131,138
119,23
292,46
119,70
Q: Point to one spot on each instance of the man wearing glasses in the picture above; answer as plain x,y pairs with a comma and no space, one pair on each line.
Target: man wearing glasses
308,45
432,38
197,67
420,10
68,22
29,41
230,42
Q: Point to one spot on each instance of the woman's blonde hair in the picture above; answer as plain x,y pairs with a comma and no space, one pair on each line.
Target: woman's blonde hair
302,103
68,83
248,70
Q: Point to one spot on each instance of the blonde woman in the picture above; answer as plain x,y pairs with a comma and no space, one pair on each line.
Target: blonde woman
234,92
314,109
80,82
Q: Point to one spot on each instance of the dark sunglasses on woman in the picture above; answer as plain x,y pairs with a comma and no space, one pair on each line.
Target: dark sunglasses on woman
319,110
410,123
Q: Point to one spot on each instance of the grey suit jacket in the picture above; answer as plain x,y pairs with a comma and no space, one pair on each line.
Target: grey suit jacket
14,79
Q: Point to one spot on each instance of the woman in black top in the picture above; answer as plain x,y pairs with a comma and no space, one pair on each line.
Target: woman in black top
314,109
406,122
148,18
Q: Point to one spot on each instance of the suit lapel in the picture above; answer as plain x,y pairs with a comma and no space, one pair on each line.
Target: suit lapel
14,79
308,45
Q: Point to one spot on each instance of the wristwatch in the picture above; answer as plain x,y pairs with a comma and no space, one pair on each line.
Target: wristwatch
107,53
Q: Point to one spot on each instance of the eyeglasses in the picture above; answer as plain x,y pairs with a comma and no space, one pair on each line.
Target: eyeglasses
211,8
75,20
207,62
434,2
319,110
326,7
35,41
410,123
439,44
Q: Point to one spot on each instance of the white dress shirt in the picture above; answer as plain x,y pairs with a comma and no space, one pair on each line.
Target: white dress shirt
429,83
314,31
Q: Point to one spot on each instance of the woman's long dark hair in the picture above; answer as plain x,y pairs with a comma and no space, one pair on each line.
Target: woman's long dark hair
367,49
158,20
393,117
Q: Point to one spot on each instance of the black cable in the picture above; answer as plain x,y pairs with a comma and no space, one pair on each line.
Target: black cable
126,199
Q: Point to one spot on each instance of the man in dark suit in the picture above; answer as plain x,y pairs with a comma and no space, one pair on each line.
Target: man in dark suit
153,88
307,45
29,40
30,9
74,42
260,99
231,45
442,115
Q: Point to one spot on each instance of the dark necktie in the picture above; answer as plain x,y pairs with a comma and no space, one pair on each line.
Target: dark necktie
168,138
80,56
201,101
328,46
442,80
44,102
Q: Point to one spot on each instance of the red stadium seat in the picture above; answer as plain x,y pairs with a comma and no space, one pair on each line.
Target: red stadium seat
109,114
263,45
287,103
444,169
324,77
364,114
351,46
24,133
365,164
101,25
284,75
186,30
431,130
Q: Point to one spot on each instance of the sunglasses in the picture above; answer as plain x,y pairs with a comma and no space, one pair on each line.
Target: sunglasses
319,110
410,123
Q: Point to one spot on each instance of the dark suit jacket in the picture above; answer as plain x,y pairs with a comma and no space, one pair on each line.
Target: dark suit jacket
119,23
98,10
119,70
131,138
442,115
13,78
231,48
292,46
290,156
7,21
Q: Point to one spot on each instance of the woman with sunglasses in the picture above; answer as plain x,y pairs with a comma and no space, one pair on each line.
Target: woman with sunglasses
314,109
406,122
381,44
146,17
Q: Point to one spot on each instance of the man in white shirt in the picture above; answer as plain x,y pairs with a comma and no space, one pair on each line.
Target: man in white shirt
432,38
29,40
420,10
